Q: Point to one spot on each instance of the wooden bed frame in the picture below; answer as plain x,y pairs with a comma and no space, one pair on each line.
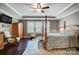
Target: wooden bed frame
45,32
45,36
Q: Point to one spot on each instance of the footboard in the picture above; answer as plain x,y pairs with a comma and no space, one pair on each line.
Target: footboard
61,42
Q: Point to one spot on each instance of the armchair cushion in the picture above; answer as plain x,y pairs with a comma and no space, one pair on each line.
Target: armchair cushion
7,33
9,38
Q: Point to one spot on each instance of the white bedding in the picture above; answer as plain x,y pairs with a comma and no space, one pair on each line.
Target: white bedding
64,39
68,32
55,34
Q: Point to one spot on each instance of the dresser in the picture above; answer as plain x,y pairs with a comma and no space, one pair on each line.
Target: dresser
1,41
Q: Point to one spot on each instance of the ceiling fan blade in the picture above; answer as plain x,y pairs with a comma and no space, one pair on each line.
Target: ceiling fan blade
45,7
42,11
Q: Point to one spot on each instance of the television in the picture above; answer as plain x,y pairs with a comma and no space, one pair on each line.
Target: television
5,19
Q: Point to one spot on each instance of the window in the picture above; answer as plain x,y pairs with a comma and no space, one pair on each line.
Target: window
30,27
36,26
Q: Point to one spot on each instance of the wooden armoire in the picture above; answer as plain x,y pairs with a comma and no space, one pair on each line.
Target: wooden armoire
17,30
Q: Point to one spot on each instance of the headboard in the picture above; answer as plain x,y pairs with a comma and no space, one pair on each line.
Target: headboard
73,26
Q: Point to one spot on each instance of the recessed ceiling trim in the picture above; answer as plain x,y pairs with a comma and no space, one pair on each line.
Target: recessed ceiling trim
65,9
6,13
12,9
70,13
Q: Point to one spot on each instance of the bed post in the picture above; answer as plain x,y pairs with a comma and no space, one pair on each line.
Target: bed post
64,25
45,32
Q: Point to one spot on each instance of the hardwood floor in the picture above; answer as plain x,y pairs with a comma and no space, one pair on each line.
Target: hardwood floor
17,49
22,45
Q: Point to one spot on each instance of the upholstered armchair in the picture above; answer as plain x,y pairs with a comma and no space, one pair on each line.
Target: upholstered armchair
9,38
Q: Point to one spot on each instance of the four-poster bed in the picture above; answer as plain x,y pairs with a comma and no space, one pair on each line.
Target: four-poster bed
68,38
64,39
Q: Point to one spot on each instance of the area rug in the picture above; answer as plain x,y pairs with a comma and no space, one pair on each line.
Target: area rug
32,48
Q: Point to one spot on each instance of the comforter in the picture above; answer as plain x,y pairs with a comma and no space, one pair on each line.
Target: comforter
66,39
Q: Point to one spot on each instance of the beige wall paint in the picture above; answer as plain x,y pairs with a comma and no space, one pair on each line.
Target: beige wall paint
5,26
70,20
15,21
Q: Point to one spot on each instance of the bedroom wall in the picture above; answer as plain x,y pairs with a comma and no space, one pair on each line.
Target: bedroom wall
24,27
70,20
15,21
5,26
54,25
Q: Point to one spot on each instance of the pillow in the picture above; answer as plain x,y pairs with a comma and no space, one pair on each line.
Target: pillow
73,27
70,32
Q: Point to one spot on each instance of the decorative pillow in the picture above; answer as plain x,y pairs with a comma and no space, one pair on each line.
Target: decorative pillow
70,32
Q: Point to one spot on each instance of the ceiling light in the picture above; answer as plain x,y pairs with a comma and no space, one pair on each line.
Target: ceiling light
39,10
40,7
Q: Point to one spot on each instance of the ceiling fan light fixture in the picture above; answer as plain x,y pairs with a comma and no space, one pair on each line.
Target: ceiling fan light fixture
40,7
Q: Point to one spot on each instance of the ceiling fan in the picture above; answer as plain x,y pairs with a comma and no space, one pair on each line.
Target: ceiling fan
40,7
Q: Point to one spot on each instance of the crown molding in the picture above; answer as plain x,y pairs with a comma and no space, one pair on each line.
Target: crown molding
12,9
65,8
